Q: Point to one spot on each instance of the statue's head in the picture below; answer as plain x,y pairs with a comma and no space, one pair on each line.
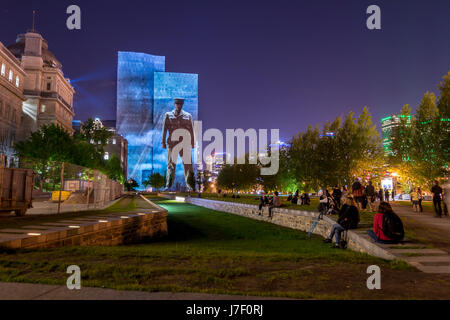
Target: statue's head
179,103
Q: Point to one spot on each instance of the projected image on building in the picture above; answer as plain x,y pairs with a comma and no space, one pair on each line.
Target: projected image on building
145,93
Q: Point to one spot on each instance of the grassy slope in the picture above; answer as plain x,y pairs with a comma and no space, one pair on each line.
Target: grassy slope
209,251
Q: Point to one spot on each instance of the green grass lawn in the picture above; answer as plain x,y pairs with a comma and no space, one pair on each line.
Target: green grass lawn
215,252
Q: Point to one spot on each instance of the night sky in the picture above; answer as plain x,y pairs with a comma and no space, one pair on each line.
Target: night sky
261,64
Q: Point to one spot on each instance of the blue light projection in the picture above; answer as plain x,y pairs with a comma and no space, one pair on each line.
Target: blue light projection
145,92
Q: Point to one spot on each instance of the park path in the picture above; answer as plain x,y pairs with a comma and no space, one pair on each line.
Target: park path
428,260
28,291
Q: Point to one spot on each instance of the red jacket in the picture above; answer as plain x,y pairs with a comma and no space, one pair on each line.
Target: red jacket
378,227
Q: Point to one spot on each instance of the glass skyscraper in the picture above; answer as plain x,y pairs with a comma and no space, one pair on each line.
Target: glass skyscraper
145,92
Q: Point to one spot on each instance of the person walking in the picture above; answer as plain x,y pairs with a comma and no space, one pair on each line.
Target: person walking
420,196
436,190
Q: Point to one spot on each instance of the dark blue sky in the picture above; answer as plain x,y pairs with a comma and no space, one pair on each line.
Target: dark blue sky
261,64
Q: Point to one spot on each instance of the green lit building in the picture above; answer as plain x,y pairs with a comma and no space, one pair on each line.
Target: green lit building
387,124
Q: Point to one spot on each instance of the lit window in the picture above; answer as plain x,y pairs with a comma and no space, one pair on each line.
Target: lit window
106,156
17,81
3,69
43,108
92,141
114,141
10,78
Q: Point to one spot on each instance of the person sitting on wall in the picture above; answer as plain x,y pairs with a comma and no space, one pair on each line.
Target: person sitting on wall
289,198
387,226
348,219
263,201
295,199
275,203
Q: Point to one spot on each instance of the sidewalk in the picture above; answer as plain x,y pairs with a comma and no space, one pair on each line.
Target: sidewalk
27,291
425,218
49,207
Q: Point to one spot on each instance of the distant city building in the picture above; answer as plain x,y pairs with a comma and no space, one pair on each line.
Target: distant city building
387,125
49,95
145,93
11,98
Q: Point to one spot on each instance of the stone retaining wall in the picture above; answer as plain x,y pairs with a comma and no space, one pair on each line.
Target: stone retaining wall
96,230
295,219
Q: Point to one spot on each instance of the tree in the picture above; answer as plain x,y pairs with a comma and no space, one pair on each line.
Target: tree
155,180
44,149
131,185
334,155
95,134
113,169
420,143
241,177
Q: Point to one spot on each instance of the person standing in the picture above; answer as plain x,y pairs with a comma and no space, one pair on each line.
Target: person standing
415,199
436,190
357,191
337,194
380,195
370,192
420,195
386,194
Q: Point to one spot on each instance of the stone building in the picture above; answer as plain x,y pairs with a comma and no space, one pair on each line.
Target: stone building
11,98
49,95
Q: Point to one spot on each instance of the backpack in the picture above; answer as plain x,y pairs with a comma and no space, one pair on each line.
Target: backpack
393,226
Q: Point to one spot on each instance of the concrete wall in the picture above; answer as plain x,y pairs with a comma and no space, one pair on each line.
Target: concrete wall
295,219
114,230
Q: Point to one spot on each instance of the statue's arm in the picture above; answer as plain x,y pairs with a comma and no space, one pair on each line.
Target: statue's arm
164,132
191,131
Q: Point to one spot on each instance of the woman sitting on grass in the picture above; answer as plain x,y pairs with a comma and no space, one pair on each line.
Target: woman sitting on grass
348,219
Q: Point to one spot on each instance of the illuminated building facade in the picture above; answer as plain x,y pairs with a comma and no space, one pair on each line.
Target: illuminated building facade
145,92
387,124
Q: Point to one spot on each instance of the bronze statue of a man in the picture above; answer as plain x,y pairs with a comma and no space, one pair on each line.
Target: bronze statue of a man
173,120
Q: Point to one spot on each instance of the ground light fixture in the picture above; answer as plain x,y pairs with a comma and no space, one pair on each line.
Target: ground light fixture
33,234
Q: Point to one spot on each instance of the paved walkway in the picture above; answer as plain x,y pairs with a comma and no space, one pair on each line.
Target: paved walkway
425,259
27,291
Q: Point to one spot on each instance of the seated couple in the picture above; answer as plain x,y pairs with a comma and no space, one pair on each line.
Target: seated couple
387,226
264,201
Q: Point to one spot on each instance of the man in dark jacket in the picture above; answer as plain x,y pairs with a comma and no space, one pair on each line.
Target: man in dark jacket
436,190
337,194
348,219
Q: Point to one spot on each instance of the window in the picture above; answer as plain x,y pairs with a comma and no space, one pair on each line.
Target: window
10,78
43,108
3,69
17,81
92,141
49,86
106,156
114,141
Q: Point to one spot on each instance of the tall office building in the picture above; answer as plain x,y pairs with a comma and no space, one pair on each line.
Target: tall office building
145,92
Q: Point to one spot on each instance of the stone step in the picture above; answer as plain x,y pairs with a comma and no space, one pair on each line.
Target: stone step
421,251
433,269
422,259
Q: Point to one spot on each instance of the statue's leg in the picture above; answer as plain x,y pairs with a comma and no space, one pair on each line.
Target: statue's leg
188,169
171,166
